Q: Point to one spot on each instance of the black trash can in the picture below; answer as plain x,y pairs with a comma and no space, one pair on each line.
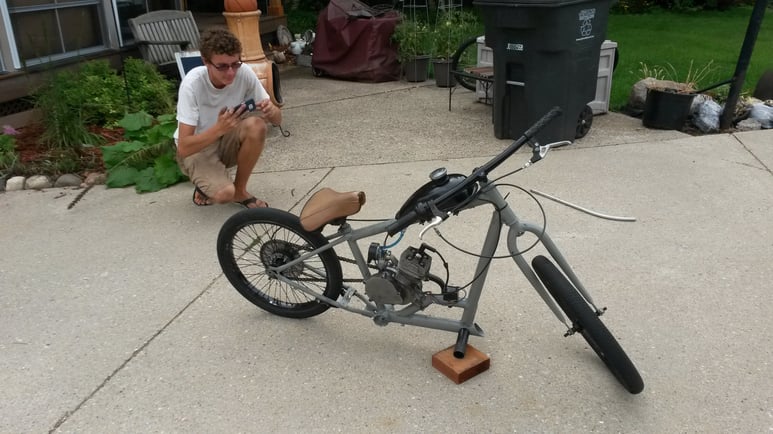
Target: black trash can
546,53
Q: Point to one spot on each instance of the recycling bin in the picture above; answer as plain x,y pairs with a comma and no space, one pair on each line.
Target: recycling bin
546,54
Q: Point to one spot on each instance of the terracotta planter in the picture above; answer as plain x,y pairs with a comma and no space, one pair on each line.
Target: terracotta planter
240,5
246,27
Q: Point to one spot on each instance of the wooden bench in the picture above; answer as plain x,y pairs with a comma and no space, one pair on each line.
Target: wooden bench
482,74
160,34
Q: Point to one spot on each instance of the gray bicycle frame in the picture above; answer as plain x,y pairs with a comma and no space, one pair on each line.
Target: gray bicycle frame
502,215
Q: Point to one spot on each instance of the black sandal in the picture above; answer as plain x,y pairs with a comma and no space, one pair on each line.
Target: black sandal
203,198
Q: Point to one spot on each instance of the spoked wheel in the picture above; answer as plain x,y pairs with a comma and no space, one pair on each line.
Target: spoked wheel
466,56
584,122
253,240
586,322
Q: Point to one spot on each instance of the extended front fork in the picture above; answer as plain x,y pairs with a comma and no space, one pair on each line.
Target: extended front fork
503,216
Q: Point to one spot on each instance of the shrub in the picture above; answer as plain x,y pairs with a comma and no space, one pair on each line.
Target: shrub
60,101
147,89
451,30
8,155
413,39
95,94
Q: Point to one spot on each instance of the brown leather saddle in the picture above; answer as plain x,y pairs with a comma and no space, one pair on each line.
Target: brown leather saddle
329,206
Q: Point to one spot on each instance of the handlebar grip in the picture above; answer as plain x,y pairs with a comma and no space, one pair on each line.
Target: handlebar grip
540,124
403,222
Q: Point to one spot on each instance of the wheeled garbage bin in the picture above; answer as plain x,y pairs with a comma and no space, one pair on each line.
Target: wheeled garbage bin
546,53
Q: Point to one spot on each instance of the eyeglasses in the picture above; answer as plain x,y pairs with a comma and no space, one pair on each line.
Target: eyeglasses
222,67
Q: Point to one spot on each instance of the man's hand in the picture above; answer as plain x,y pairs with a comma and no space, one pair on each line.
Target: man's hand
270,112
228,118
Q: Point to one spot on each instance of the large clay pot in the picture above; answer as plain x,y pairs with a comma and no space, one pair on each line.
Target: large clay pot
240,5
246,27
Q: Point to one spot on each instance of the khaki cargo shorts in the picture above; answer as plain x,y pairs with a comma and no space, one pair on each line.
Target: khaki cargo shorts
208,169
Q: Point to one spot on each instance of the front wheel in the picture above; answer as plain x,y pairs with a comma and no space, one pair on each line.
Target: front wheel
253,241
585,321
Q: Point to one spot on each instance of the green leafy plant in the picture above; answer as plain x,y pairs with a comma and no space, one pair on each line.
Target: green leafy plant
96,95
8,155
451,29
147,89
147,158
60,100
413,39
100,91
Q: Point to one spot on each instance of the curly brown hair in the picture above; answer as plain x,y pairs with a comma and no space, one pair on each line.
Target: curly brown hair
219,41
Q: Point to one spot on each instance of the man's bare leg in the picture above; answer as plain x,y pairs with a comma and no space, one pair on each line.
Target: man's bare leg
253,138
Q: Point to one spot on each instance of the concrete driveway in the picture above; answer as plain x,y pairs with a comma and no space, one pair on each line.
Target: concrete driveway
115,316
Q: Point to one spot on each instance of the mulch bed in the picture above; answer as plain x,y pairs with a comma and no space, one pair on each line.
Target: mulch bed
37,159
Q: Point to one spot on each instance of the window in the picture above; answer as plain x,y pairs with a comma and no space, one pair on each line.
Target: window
47,30
126,9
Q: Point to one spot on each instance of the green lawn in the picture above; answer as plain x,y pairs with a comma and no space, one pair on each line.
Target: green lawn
662,38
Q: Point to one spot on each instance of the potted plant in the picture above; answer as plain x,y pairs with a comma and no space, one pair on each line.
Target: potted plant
413,48
451,29
669,99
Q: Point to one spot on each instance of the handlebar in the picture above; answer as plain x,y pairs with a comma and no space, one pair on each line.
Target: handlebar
424,211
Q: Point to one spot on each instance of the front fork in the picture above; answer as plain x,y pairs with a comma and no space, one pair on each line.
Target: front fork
504,216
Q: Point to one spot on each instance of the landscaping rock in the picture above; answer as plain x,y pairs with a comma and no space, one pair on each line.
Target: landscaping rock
37,182
639,93
94,178
748,125
68,180
16,183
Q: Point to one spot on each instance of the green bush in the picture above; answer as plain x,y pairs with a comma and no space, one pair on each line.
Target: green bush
413,39
100,91
8,155
64,115
299,21
95,94
643,6
451,29
147,89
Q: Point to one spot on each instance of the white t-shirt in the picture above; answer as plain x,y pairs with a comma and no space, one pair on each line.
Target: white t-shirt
199,102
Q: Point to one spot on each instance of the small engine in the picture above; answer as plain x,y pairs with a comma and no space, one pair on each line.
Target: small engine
397,282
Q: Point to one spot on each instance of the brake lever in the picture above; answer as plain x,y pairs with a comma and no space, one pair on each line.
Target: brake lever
438,218
435,221
539,151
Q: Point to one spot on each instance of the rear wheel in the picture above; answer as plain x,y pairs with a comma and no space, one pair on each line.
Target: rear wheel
253,240
584,122
586,322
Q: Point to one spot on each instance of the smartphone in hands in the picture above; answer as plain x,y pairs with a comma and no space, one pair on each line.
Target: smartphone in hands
249,104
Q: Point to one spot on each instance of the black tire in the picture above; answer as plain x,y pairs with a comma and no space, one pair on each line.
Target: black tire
584,122
466,58
253,239
585,321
